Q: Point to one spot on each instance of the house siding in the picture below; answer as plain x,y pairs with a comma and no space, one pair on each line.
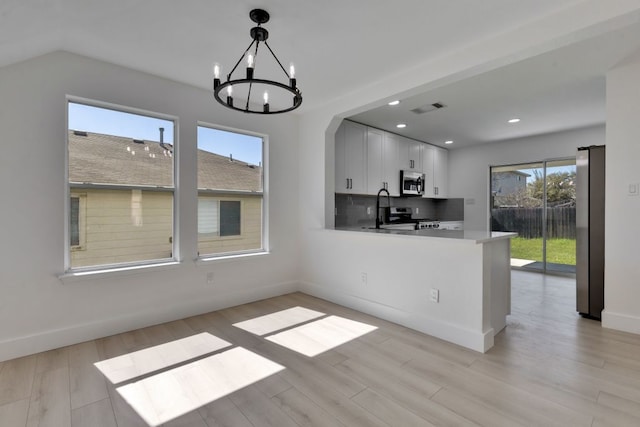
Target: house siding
121,226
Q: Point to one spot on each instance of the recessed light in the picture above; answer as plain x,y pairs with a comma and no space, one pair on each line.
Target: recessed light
448,142
401,125
396,102
514,120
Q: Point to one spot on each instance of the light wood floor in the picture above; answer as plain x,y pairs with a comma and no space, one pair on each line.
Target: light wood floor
549,367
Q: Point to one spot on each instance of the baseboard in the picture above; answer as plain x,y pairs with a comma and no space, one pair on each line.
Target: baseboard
56,338
620,322
477,341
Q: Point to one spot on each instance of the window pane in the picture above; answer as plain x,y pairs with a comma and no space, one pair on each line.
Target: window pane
123,164
230,184
229,161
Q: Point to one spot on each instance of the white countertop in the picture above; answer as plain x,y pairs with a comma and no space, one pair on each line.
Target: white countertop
467,235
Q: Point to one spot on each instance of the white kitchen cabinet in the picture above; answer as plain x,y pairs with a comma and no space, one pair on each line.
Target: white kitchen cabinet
410,154
382,162
435,167
441,172
350,158
427,169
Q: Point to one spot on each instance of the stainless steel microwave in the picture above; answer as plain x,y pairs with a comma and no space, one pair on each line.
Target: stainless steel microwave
411,183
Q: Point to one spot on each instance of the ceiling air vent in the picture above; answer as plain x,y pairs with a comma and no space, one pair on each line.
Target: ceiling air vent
428,107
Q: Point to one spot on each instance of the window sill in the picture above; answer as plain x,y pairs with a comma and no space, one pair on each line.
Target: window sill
205,260
107,273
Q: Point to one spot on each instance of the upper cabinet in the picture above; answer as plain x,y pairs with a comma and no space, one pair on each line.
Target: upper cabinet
441,172
410,154
369,159
350,158
435,167
427,169
382,162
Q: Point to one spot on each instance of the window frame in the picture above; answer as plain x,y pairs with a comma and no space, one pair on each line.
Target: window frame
264,196
69,191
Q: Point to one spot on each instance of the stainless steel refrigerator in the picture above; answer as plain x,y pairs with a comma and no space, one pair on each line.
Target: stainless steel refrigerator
590,165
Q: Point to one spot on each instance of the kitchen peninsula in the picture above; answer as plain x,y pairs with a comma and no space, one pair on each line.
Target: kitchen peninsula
451,284
454,285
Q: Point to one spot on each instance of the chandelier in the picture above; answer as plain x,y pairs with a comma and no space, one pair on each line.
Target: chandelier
287,95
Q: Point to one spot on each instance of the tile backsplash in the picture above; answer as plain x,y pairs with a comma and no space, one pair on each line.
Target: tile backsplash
360,211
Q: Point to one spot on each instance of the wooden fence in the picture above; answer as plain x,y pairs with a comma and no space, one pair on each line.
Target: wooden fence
527,222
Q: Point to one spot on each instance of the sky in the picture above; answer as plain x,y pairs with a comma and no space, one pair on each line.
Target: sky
82,117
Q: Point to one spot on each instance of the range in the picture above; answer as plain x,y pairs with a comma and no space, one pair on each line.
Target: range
401,218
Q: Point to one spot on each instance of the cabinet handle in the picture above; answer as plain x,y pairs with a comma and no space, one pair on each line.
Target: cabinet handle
351,183
436,190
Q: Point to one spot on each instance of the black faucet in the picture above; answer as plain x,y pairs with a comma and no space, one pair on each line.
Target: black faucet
378,220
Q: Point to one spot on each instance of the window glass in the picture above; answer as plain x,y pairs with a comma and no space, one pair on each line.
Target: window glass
123,164
230,188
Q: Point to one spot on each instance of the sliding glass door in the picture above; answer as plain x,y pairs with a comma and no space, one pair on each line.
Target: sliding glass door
537,201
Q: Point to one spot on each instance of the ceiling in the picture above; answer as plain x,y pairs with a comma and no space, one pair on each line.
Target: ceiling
560,90
337,47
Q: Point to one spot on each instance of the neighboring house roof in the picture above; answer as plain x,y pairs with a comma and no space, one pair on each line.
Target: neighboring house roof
106,159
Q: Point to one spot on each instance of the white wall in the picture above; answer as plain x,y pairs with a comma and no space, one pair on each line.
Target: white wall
469,167
37,310
622,211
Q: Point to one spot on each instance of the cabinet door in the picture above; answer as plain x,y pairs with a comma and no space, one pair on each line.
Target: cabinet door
441,172
428,170
356,157
375,161
391,163
342,183
410,154
350,158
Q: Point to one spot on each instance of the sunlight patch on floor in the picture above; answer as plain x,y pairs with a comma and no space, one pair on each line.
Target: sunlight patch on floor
173,393
270,323
322,335
515,262
142,362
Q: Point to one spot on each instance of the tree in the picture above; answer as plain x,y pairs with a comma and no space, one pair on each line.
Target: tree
561,188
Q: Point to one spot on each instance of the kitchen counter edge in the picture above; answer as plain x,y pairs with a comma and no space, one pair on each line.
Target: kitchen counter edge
460,235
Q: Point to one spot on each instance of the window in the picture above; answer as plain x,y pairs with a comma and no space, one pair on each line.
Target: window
121,186
230,192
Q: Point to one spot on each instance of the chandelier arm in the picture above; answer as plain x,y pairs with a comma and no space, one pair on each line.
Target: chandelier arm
239,60
248,96
277,60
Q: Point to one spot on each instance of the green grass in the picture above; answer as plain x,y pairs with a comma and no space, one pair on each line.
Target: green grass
559,251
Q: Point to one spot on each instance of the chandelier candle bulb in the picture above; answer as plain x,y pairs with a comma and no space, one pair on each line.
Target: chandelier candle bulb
229,95
266,102
292,76
216,76
250,64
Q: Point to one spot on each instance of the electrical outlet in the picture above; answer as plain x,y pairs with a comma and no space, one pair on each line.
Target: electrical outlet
417,210
435,295
210,278
363,278
368,210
